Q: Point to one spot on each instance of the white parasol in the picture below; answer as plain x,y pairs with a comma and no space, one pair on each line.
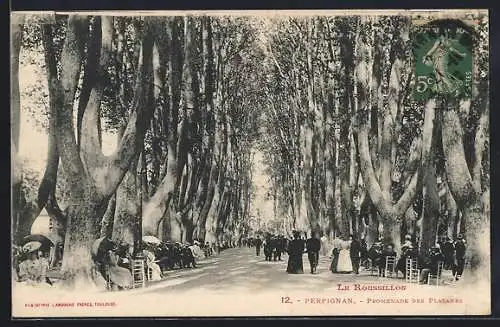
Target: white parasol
151,239
32,246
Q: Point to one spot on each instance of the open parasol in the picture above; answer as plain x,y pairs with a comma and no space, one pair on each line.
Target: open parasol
45,242
31,246
151,240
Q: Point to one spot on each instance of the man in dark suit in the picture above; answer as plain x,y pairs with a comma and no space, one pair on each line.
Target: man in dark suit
460,256
313,245
258,243
448,250
428,263
355,253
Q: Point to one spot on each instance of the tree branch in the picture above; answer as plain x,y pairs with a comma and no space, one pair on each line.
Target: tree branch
116,167
48,184
89,74
63,89
459,178
368,173
90,144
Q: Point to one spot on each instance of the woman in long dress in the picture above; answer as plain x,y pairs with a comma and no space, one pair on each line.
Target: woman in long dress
152,265
119,276
337,246
344,264
295,252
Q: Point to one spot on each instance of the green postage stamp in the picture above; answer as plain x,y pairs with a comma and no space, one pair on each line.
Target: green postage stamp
443,55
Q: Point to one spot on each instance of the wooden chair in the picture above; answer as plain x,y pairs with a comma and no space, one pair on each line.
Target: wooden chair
138,266
109,283
390,266
412,272
373,268
150,273
437,276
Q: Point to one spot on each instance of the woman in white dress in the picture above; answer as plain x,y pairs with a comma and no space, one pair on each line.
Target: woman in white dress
344,264
152,265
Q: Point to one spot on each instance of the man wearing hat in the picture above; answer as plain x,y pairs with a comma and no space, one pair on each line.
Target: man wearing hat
428,263
313,245
448,250
258,243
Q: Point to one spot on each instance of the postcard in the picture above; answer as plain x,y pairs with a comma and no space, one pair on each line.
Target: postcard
250,163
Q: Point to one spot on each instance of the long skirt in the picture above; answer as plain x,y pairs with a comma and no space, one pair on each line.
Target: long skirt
344,264
295,265
335,260
120,276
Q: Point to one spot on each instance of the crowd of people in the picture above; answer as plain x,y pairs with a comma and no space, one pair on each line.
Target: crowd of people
32,268
112,261
349,254
450,253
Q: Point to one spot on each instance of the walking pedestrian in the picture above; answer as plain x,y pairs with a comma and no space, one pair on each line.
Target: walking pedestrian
313,245
355,253
295,251
258,243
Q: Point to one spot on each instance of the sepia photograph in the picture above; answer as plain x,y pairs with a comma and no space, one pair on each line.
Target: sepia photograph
250,163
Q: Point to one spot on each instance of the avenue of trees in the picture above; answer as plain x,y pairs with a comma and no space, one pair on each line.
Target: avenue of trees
178,92
352,152
327,100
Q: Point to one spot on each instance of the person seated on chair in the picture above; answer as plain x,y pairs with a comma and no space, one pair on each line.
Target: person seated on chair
407,251
428,264
33,270
120,278
154,271
375,254
387,252
124,255
188,260
196,249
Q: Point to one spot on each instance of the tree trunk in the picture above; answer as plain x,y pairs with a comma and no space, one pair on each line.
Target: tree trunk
453,216
15,113
81,232
211,220
430,215
392,232
108,219
93,178
465,191
127,211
